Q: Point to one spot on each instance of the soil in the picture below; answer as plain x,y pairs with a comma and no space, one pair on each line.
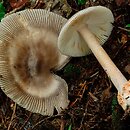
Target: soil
93,97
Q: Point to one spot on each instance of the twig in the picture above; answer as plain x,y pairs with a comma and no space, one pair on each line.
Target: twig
95,99
124,29
80,93
2,119
81,124
45,120
35,5
126,114
118,51
95,74
12,117
82,90
73,103
84,115
62,126
26,121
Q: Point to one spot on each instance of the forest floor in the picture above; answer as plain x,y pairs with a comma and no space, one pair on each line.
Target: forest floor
93,98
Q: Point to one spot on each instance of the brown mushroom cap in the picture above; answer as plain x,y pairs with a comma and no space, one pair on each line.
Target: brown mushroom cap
28,53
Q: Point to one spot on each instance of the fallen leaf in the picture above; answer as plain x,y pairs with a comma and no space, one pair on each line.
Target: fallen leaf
106,93
120,2
127,68
124,38
17,3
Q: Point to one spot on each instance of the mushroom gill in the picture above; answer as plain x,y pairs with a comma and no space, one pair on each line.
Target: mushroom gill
28,54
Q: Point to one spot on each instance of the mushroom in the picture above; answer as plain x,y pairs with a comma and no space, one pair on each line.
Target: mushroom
88,30
28,58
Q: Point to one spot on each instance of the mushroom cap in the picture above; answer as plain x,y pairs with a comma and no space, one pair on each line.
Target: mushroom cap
98,20
28,53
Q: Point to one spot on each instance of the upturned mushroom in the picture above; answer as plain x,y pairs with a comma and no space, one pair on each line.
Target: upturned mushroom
88,30
28,57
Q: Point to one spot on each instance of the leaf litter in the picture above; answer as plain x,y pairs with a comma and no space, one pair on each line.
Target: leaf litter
93,103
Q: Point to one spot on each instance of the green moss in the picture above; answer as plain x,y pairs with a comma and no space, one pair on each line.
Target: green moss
116,116
70,70
2,10
81,2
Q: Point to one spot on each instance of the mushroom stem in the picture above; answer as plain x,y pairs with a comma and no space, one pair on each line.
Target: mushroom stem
110,68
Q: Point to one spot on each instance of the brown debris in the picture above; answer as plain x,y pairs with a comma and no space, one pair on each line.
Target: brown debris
90,92
120,2
17,3
127,68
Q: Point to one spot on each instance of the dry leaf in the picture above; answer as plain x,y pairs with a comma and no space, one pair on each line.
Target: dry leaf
124,38
120,2
127,68
106,93
17,3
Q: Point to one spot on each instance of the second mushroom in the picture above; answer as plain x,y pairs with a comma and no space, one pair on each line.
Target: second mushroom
86,31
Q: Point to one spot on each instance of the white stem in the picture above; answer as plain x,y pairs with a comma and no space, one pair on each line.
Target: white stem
112,71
